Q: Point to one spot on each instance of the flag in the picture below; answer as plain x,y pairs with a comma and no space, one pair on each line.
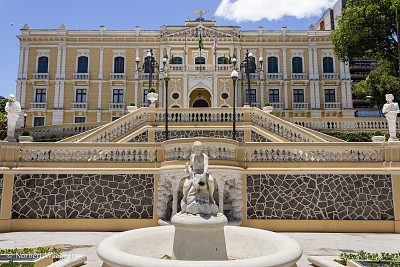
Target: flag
215,43
201,43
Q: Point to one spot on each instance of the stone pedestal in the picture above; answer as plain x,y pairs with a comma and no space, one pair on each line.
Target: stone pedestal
199,237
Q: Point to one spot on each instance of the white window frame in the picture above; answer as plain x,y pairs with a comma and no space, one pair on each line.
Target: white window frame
275,88
304,93
43,53
83,53
336,92
112,94
81,87
119,53
297,53
328,53
35,88
39,116
81,116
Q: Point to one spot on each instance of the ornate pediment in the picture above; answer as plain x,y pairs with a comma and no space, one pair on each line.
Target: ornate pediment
195,32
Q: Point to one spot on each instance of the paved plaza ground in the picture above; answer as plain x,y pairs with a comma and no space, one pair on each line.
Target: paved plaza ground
312,243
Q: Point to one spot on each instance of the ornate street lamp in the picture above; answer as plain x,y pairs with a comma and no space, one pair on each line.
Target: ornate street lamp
25,115
234,76
247,64
166,79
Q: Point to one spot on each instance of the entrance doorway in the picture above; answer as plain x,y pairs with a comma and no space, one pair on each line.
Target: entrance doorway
200,98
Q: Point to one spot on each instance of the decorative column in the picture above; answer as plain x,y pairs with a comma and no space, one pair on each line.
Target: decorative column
137,70
342,74
316,75
100,81
285,90
343,88
239,94
347,70
136,93
284,70
21,61
262,67
312,94
317,98
216,96
23,94
349,95
310,64
185,91
262,94
25,73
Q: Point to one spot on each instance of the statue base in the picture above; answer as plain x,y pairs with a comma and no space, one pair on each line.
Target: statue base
10,139
199,237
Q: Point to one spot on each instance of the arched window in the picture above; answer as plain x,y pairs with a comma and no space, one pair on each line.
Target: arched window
146,65
273,65
200,60
223,60
177,60
327,65
297,65
119,63
253,65
83,64
43,65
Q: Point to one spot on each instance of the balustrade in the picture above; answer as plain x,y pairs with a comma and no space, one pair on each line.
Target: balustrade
331,105
79,106
192,115
313,153
274,76
117,76
40,76
38,105
330,76
343,123
213,150
299,76
81,76
300,106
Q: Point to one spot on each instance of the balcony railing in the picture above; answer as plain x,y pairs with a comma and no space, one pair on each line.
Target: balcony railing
277,105
173,67
364,65
117,76
146,76
80,106
274,76
254,76
80,76
299,76
224,67
116,106
330,76
40,76
300,106
38,105
332,105
360,73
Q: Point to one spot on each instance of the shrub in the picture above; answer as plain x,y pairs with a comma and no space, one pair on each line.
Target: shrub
132,104
26,133
356,136
267,104
378,133
152,90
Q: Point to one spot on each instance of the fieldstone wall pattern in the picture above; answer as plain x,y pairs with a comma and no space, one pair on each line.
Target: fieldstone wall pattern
256,137
60,196
1,188
320,197
140,138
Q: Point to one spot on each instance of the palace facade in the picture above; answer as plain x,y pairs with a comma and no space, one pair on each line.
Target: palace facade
75,76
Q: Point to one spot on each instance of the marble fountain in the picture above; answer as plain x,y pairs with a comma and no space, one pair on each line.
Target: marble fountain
199,234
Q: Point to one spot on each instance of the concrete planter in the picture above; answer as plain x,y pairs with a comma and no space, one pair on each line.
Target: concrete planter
378,138
153,98
268,109
131,108
25,139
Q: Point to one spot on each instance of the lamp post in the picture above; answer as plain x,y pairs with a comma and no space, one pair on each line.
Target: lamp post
166,79
247,64
234,76
25,115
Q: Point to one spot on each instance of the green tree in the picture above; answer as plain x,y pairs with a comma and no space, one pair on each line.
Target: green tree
3,119
367,28
381,81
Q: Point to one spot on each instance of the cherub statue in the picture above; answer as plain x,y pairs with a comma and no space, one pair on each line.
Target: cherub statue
198,188
13,109
390,109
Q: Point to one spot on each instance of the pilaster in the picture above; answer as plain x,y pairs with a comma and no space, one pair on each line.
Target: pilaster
343,88
56,94
317,97
347,70
285,70
310,64
185,91
136,93
6,200
61,101
101,64
25,73
316,75
99,94
312,94
396,201
98,115
64,55
21,61
23,94
285,93
349,95
342,74
215,96
59,48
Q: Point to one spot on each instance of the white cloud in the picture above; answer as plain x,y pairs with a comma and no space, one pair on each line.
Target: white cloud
254,10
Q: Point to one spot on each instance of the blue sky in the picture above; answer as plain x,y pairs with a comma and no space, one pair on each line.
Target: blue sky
126,14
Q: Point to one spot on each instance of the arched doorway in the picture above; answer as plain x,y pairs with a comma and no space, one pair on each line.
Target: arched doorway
200,103
200,98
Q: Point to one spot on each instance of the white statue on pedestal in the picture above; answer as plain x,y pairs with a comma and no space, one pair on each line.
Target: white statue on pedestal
198,188
390,109
13,109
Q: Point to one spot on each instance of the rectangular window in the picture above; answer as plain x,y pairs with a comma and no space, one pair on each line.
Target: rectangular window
114,118
330,96
38,121
80,96
118,96
40,96
298,95
253,94
273,95
80,119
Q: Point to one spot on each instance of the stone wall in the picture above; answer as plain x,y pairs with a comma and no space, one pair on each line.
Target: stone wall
140,138
178,134
256,137
83,196
320,197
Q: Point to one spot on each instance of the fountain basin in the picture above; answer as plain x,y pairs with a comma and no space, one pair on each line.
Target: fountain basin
247,246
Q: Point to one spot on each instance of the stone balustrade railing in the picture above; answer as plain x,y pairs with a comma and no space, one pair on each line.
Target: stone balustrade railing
215,149
89,153
199,115
64,130
313,152
342,123
278,126
118,127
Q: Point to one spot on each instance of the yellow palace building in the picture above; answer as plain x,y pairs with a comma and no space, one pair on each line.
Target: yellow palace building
76,76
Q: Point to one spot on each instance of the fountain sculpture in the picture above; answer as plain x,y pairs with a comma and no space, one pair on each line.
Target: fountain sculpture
199,234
